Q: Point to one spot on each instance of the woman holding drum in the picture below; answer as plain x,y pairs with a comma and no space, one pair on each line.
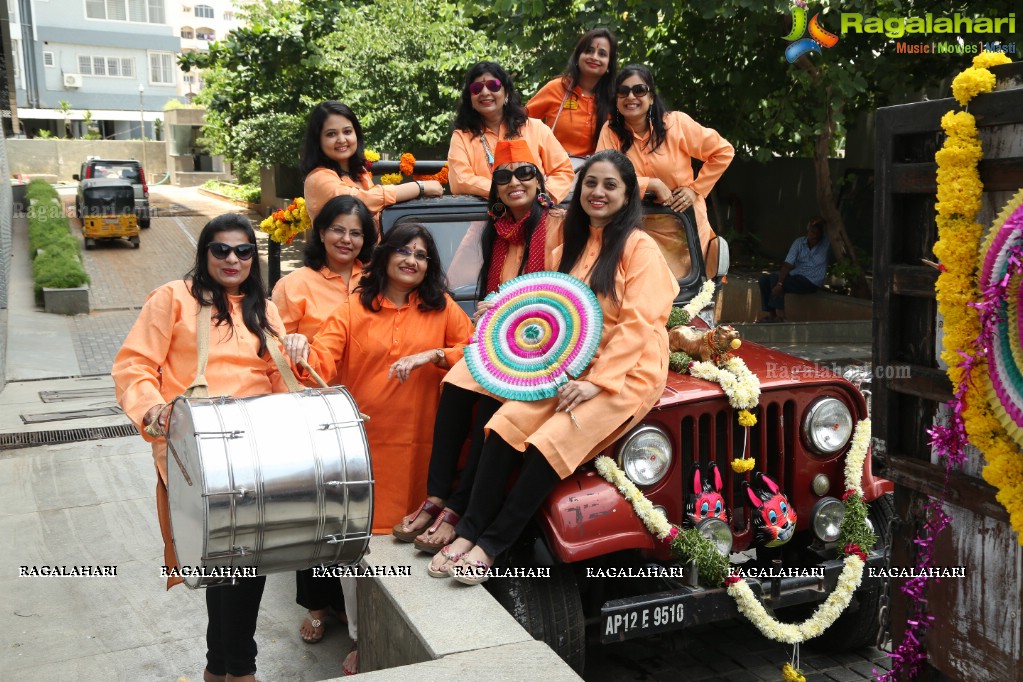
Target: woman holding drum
220,305
341,241
391,344
605,247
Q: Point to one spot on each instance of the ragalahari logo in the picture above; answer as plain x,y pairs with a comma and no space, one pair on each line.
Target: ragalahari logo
819,37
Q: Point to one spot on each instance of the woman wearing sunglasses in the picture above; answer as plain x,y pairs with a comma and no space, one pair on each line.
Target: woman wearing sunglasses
520,236
490,110
605,247
158,362
341,241
391,344
578,103
334,163
662,145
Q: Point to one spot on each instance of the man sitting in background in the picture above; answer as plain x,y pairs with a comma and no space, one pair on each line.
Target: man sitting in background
802,272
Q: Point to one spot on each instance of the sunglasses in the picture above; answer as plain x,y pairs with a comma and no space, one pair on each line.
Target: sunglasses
221,251
522,174
406,252
637,90
493,85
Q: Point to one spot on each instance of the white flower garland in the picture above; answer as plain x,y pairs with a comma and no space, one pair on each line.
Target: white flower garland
852,571
701,300
751,607
740,384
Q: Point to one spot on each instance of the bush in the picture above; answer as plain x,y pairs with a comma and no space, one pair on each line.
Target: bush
56,254
249,193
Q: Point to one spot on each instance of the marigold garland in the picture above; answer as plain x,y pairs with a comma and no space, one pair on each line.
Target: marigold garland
283,224
407,166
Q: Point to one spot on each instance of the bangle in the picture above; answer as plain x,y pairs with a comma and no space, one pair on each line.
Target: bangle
422,188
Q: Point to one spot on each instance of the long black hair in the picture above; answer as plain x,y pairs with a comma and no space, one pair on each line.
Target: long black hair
434,286
315,253
604,92
489,235
576,227
657,109
207,291
470,120
312,151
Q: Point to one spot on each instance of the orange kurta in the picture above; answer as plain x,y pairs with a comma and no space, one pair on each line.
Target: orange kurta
157,362
357,347
631,364
672,163
323,184
306,297
577,122
469,172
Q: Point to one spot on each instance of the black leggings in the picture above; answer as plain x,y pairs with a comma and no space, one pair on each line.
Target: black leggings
230,635
452,425
316,594
494,521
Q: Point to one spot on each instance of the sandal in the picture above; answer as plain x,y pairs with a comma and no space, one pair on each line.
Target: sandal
319,629
470,572
432,544
428,508
350,666
445,568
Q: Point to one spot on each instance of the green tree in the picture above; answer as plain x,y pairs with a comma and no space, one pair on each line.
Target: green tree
64,107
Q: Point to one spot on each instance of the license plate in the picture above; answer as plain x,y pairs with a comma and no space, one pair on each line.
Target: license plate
642,620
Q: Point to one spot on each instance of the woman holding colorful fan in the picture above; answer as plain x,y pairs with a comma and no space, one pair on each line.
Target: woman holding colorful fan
605,247
520,236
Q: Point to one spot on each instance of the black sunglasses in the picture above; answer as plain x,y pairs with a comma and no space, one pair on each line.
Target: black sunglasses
493,85
522,174
221,251
638,90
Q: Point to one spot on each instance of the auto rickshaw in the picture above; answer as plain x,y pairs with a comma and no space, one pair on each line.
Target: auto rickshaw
108,211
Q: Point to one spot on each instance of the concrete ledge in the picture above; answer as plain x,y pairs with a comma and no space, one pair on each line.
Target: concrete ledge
742,304
73,301
413,621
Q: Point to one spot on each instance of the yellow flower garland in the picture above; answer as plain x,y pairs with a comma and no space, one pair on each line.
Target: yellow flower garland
959,236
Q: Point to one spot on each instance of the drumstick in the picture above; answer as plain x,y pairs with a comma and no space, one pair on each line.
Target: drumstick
323,384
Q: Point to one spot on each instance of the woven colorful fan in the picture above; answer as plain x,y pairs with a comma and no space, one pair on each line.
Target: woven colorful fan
1005,357
543,328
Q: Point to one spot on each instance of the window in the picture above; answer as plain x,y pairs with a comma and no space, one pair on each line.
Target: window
161,68
139,11
204,11
95,65
228,16
186,32
47,58
205,34
17,57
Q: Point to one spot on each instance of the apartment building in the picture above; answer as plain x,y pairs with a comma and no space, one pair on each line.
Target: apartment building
198,24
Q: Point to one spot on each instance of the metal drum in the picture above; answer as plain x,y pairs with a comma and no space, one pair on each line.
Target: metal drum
272,483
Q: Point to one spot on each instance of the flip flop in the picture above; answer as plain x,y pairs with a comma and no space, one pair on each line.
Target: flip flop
445,570
350,666
427,507
317,624
432,544
471,573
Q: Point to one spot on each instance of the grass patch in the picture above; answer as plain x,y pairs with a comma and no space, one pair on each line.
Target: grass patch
249,193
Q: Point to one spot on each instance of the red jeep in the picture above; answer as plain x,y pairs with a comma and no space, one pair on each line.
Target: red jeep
588,534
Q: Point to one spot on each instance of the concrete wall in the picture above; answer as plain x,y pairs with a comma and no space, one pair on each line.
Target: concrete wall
64,158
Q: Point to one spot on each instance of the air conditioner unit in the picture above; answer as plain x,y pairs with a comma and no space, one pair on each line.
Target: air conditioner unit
72,80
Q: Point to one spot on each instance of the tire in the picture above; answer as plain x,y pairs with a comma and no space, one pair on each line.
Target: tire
144,223
90,244
858,626
550,610
135,243
78,210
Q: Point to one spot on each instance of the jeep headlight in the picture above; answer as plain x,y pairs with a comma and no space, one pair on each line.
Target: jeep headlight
828,426
719,534
826,519
645,456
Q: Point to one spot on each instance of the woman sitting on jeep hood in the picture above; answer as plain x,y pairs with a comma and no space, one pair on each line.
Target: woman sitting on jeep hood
604,247
334,163
490,110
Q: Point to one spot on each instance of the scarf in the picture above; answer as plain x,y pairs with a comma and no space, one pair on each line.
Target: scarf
510,231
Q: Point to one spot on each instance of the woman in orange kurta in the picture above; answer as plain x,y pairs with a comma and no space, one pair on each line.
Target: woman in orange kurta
490,110
662,145
605,247
521,236
576,104
158,362
342,239
334,163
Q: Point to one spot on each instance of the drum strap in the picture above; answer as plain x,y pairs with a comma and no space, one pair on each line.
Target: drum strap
282,365
199,387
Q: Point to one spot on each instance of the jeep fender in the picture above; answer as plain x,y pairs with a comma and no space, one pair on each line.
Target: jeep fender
585,517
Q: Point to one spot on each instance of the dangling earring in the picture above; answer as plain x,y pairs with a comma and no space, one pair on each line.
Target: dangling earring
545,200
497,210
